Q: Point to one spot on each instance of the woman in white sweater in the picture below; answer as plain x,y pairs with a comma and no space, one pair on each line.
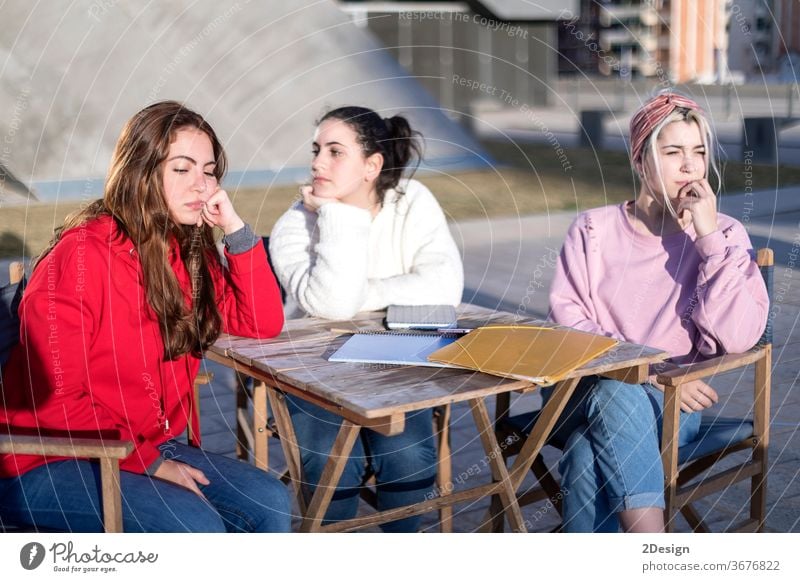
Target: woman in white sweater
363,238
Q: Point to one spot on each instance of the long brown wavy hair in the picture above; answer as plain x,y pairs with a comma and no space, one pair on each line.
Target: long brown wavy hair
134,197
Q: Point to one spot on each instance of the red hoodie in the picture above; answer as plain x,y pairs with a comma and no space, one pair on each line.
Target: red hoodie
90,356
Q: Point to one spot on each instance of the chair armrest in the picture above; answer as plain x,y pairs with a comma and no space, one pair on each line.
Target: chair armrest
65,447
201,379
107,451
710,367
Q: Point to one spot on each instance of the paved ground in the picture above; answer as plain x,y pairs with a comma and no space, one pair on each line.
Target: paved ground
509,265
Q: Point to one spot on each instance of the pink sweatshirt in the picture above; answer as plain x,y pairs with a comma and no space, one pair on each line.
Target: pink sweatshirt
691,297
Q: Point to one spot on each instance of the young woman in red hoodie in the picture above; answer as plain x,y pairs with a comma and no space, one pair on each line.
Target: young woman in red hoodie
114,320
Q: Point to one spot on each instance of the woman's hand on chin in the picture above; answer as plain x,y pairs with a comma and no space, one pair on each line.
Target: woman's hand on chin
314,203
699,200
219,211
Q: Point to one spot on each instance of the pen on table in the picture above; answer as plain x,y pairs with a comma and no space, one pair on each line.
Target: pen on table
339,330
459,330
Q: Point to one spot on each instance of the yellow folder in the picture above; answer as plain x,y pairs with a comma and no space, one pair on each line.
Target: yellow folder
524,352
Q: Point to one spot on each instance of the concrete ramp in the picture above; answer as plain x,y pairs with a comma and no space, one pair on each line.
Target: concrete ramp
260,71
12,191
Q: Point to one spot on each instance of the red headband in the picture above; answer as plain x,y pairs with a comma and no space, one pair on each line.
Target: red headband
650,115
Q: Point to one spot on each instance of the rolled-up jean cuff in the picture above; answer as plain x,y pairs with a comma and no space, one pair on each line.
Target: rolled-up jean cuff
637,501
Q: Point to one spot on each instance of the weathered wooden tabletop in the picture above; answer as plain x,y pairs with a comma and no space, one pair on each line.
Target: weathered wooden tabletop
299,357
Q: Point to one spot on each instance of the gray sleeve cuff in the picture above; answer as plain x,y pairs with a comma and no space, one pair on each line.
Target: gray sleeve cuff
241,241
151,470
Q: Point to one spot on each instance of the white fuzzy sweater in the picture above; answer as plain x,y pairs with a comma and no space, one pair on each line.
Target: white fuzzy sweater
338,261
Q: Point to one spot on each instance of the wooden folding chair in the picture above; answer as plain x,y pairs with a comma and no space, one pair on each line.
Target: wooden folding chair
202,379
108,452
688,470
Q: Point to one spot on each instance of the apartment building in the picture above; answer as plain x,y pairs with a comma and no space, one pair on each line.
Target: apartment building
680,41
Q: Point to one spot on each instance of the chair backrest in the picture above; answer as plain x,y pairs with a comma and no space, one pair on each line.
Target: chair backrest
766,262
10,296
265,240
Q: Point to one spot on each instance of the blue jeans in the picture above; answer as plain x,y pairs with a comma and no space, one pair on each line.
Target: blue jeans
404,464
65,496
610,433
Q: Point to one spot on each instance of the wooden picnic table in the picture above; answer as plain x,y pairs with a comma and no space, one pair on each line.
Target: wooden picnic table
377,397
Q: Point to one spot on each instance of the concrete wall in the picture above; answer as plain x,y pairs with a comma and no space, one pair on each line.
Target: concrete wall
515,59
261,71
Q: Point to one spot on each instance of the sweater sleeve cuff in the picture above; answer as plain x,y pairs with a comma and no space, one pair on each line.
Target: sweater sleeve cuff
142,459
153,467
240,241
711,244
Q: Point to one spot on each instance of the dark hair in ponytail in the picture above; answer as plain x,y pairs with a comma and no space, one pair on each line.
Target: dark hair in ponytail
392,137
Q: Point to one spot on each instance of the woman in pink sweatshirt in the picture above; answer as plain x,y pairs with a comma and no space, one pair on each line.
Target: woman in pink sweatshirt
665,270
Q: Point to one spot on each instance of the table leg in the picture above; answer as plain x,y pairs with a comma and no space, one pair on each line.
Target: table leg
444,467
500,474
242,450
550,413
260,426
288,440
334,467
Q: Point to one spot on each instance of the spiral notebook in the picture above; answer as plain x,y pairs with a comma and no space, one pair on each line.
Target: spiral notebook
410,349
